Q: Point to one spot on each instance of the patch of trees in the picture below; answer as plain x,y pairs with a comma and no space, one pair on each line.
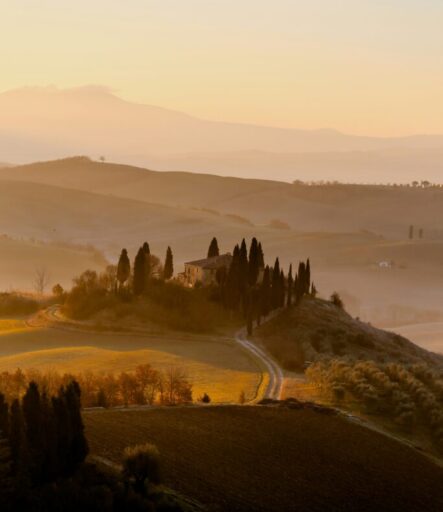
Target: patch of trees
253,289
43,435
409,395
42,461
145,385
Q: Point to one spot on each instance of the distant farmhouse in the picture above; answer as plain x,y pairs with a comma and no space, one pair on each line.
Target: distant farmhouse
205,271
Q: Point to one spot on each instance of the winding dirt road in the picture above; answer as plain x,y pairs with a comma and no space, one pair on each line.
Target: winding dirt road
276,378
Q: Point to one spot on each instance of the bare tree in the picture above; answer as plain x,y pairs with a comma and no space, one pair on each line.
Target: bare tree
41,280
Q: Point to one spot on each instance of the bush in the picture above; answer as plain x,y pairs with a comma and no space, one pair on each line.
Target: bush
141,463
15,304
336,300
206,399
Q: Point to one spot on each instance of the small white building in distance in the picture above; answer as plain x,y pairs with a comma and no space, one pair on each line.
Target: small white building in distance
205,271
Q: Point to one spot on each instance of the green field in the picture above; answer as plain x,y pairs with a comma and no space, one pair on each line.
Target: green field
273,459
217,367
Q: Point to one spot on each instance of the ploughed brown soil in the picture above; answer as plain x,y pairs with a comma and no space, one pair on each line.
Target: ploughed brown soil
237,458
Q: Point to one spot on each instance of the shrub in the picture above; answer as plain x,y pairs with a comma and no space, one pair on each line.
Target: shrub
15,304
206,399
141,463
336,300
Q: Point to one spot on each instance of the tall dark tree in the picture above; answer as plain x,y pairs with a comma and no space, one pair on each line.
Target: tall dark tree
146,248
301,281
261,257
308,277
4,416
265,292
290,287
78,449
17,438
276,285
139,279
50,463
253,268
282,290
244,274
123,268
233,280
213,248
34,435
168,270
411,232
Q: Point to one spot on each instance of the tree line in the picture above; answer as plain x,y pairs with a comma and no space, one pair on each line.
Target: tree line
254,289
145,385
146,267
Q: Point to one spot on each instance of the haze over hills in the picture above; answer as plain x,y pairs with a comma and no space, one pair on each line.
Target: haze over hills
45,123
346,230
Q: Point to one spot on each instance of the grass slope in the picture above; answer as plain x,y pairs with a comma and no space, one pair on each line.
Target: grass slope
220,369
317,330
267,459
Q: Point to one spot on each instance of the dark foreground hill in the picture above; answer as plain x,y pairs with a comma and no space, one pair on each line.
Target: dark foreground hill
274,459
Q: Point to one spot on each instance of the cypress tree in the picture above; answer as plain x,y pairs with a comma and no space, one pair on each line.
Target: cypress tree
233,280
301,281
139,272
253,269
33,421
308,277
282,289
265,292
78,448
244,275
4,416
276,285
123,268
261,257
290,287
49,428
168,270
313,290
213,248
17,438
64,434
146,248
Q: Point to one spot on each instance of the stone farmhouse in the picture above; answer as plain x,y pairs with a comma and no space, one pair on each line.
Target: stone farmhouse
204,271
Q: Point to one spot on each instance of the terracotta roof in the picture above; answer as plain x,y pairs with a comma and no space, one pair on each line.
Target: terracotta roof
224,260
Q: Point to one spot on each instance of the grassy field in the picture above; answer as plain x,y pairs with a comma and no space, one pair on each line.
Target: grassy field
268,459
221,369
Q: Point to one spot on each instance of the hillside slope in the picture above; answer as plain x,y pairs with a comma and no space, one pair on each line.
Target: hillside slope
338,208
19,260
317,330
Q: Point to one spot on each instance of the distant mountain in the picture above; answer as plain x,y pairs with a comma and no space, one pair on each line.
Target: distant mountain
45,123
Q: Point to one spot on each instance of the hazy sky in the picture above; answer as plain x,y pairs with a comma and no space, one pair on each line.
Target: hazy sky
361,66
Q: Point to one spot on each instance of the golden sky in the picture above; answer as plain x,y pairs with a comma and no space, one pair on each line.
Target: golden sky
360,66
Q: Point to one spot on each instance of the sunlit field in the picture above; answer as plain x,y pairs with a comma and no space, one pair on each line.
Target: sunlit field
219,368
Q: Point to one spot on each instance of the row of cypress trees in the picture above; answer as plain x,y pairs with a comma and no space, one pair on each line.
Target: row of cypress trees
254,289
44,435
143,267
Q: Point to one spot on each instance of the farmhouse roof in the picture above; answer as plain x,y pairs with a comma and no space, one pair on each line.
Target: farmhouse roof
224,260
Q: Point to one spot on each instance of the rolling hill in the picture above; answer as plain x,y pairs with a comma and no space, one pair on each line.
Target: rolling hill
93,121
346,230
